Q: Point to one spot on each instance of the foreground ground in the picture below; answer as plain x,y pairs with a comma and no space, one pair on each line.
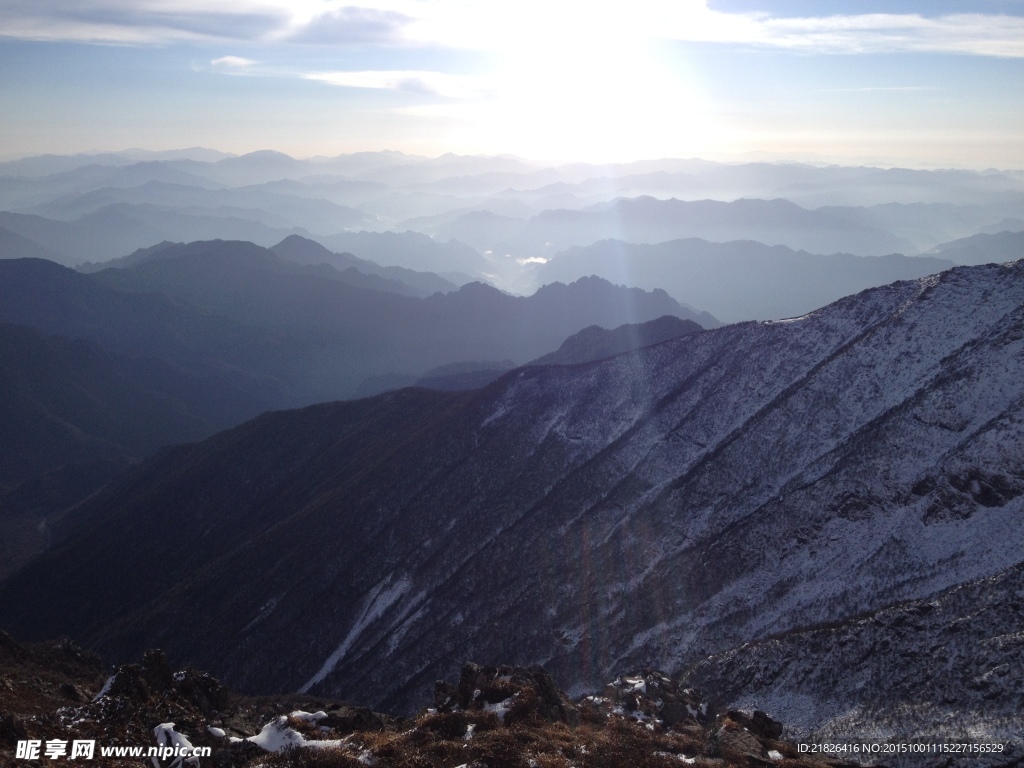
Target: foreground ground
492,717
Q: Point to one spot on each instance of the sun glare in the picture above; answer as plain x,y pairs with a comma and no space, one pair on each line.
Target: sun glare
576,81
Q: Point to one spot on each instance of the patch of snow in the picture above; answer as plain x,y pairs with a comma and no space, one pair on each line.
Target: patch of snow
636,684
166,736
104,689
378,600
215,731
308,717
501,708
278,735
265,611
774,754
682,758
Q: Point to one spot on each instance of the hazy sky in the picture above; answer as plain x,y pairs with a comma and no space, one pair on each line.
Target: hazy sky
909,82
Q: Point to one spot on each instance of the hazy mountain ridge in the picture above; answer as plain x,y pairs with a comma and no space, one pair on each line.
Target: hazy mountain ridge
353,333
650,220
116,204
737,280
303,251
654,507
984,248
14,246
271,208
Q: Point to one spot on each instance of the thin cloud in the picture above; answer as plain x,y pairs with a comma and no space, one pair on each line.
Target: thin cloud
231,64
501,25
140,22
883,88
351,26
412,81
973,34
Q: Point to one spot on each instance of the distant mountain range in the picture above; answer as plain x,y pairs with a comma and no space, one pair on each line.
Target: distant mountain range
120,229
755,481
738,280
100,207
274,209
984,248
650,220
14,246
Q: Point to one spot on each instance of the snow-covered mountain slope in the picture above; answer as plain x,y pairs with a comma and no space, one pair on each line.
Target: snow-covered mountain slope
944,668
648,509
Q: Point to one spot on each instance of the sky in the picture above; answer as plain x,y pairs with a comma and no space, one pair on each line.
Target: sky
916,83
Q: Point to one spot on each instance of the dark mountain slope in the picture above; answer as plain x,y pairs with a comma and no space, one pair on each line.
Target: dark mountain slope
68,400
59,301
73,415
654,507
738,280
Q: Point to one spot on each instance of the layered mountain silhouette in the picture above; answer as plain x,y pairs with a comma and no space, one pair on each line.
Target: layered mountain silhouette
354,333
304,251
122,228
412,250
295,334
14,246
983,248
272,208
650,220
655,507
738,280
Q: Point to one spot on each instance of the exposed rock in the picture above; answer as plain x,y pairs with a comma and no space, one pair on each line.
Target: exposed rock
493,717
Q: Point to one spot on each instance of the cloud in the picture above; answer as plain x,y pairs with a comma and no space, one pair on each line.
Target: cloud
352,26
973,34
140,22
502,25
412,81
231,64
